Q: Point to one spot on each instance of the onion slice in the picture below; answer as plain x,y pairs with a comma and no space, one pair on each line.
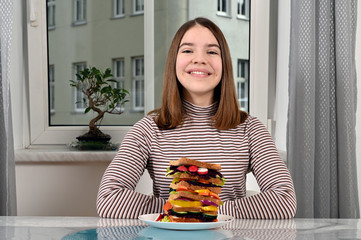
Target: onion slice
206,202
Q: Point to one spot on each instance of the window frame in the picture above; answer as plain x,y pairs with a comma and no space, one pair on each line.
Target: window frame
51,8
227,12
118,4
119,77
77,94
242,83
135,6
82,20
138,79
242,16
41,134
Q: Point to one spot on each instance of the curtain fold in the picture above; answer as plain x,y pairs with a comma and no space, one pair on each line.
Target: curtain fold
7,163
321,135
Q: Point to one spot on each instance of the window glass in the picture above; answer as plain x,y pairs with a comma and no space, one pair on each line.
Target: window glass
88,34
102,42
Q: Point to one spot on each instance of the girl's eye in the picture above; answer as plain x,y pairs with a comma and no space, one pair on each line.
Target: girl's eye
212,52
186,51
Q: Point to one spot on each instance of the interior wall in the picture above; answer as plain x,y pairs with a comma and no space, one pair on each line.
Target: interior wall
62,189
58,189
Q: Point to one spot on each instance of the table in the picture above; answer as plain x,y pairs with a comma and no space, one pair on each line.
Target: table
71,228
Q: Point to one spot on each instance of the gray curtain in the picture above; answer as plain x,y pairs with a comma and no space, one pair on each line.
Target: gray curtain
322,108
7,164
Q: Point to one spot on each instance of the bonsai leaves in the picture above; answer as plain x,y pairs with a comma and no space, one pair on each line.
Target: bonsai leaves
100,90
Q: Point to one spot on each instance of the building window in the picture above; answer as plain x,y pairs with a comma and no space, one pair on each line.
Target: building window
138,6
118,72
118,8
243,9
79,12
79,96
242,84
51,14
51,89
138,84
224,8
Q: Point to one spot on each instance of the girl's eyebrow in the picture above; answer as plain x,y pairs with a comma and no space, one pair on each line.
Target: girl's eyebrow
191,44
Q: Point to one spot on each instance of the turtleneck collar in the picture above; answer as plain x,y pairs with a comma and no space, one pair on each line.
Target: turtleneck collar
194,110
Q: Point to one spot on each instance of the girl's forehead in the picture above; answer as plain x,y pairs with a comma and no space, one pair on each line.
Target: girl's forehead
198,34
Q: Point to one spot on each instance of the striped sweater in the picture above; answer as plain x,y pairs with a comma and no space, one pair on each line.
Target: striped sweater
248,147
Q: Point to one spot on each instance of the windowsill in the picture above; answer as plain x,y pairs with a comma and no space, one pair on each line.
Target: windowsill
134,14
222,14
60,153
240,17
79,23
117,17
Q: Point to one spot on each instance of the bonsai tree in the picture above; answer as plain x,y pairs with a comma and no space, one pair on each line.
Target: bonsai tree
100,96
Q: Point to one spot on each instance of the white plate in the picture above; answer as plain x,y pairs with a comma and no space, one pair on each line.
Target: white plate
150,219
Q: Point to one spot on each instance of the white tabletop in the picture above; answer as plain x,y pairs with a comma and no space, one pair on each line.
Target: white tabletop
97,228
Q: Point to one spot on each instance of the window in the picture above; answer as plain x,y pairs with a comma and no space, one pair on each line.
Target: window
242,84
51,89
243,9
51,14
45,129
223,8
138,84
78,95
118,72
79,12
118,8
138,6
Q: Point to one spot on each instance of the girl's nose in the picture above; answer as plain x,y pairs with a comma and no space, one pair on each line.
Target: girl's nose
199,58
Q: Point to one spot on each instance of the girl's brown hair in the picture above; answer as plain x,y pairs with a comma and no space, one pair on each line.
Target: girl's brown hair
171,114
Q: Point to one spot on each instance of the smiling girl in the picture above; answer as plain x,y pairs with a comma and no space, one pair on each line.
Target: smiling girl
199,119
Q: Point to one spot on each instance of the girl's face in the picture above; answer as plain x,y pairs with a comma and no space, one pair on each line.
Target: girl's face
199,65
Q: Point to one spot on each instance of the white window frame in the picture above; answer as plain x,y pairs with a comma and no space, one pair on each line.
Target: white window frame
220,6
138,82
51,14
39,131
118,8
79,105
81,18
119,76
247,5
136,4
242,84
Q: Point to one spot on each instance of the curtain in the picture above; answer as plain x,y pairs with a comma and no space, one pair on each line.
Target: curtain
321,148
7,164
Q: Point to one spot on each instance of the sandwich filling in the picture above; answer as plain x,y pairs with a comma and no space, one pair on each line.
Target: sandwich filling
194,191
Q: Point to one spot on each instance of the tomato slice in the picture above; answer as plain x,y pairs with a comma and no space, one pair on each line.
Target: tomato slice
215,195
203,181
167,206
182,188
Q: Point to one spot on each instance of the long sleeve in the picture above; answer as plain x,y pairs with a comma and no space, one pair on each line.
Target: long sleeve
116,196
277,199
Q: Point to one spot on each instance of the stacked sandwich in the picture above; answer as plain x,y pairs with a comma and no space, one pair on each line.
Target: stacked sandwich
194,191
